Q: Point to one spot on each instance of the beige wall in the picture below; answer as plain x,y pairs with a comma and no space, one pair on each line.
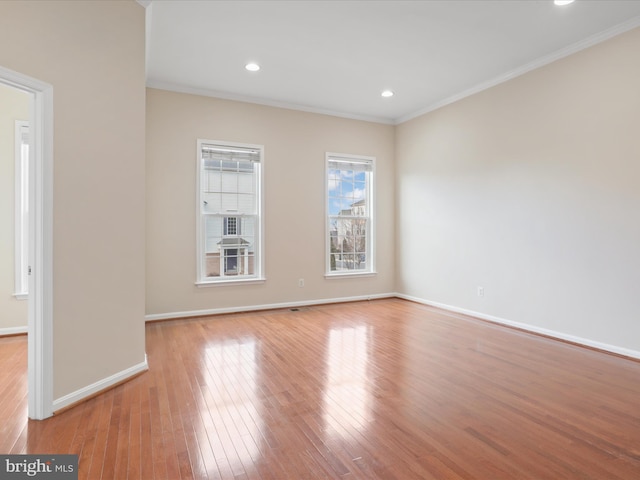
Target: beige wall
531,190
14,105
528,189
295,145
93,55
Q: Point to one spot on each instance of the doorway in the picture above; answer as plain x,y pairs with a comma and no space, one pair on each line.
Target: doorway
13,210
40,241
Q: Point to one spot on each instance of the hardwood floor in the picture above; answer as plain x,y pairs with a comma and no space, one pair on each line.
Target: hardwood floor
386,389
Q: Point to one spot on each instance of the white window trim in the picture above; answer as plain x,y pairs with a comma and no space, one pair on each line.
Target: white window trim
371,200
259,247
21,223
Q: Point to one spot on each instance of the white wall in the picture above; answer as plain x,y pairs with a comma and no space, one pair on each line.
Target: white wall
294,166
531,190
92,53
14,105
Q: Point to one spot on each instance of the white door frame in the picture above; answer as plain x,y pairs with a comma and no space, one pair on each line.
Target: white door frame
40,325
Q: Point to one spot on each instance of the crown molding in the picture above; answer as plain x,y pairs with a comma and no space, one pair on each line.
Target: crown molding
540,62
204,92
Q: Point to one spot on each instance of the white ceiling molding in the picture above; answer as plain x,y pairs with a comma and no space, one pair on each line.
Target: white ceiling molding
203,92
565,52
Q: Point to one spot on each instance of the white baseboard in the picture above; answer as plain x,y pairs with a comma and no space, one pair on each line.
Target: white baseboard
99,386
530,328
12,331
502,321
269,306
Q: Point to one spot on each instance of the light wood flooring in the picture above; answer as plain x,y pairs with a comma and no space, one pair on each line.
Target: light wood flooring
386,389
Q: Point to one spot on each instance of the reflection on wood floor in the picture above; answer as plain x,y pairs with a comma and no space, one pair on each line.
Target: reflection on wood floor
386,389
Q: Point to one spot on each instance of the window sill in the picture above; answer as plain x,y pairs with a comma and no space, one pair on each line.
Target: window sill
229,283
21,296
348,275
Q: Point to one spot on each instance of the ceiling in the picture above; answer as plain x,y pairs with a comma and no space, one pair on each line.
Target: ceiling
336,57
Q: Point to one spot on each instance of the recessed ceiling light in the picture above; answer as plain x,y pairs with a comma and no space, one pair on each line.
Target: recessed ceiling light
563,2
387,93
252,67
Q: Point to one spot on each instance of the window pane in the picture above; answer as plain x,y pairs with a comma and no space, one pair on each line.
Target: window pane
245,203
333,262
211,180
211,203
247,228
230,246
231,261
248,167
229,202
229,182
213,233
245,183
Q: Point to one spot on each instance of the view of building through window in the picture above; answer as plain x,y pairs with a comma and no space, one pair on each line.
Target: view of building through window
349,194
230,211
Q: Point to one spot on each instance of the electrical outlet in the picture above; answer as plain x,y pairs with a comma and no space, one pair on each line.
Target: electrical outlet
481,291
301,282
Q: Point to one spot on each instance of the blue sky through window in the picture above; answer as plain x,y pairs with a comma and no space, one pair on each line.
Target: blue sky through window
346,187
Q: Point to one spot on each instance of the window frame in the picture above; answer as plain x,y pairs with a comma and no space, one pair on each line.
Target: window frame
258,276
370,231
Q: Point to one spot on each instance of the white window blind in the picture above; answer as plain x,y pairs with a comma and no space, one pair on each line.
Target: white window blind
350,165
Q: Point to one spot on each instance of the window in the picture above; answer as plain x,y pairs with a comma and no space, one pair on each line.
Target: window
231,226
349,214
230,212
21,253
